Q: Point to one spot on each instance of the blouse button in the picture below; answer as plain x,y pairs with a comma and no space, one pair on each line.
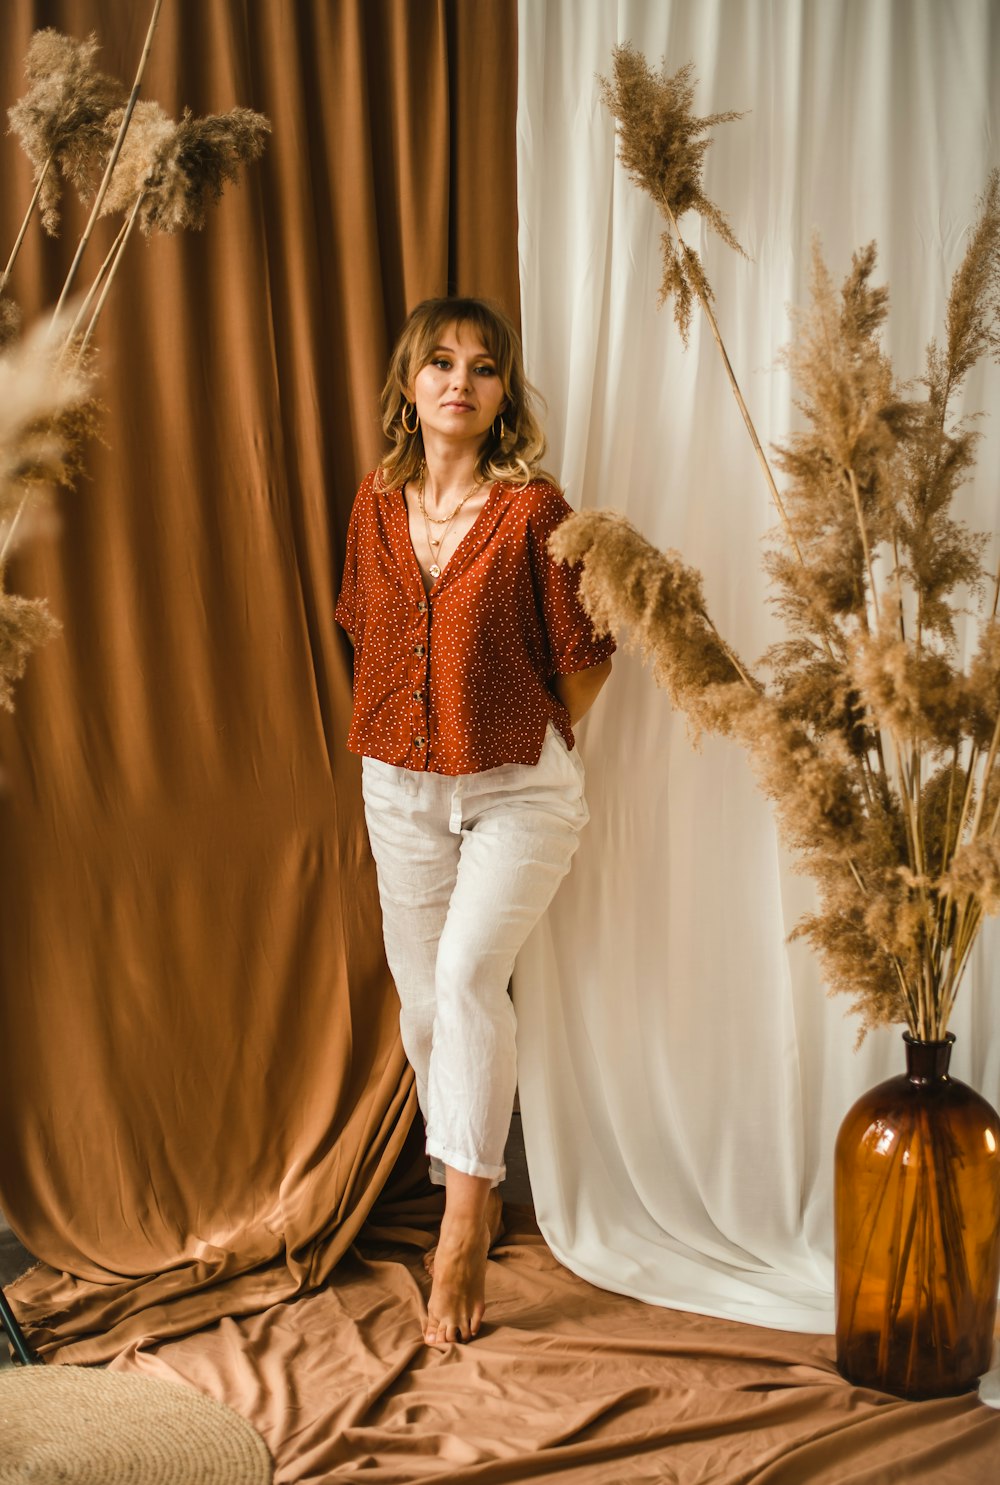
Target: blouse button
418,649
418,742
421,607
418,696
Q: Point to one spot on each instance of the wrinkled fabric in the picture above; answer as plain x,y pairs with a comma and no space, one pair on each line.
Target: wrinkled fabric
565,1382
202,1087
466,867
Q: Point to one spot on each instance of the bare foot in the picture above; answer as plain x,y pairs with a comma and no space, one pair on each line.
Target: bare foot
494,1216
494,1227
458,1294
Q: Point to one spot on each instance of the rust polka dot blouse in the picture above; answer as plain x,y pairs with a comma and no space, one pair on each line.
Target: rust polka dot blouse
460,679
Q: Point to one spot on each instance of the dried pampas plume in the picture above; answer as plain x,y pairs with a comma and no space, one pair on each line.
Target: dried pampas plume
972,325
655,602
62,120
149,136
662,144
172,172
10,321
39,386
129,157
25,625
880,754
38,391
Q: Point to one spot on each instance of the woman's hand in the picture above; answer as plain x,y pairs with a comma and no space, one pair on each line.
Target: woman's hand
579,691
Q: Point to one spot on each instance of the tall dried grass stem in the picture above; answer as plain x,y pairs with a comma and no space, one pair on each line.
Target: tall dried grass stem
11,532
123,238
865,544
987,771
713,324
946,833
27,219
900,615
880,753
731,655
964,941
970,784
37,391
112,160
88,299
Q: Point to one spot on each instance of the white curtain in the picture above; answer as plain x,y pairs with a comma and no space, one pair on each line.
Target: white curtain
682,1073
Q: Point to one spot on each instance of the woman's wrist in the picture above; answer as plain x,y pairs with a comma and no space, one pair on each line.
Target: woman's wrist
580,690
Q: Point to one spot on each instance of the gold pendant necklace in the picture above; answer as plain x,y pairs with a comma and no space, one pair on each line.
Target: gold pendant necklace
434,546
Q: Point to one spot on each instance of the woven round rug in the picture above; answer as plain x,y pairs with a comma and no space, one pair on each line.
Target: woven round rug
77,1426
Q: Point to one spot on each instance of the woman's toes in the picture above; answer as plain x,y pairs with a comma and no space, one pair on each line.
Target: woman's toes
451,1332
457,1299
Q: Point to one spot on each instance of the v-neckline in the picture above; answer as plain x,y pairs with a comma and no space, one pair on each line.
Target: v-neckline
427,591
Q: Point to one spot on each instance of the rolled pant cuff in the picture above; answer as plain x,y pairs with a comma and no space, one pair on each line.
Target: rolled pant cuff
441,1157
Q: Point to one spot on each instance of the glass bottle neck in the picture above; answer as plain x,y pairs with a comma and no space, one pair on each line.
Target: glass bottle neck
927,1062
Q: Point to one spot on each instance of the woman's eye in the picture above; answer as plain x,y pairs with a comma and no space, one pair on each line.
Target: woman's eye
486,371
442,363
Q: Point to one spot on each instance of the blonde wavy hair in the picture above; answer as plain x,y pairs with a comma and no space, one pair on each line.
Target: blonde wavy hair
515,456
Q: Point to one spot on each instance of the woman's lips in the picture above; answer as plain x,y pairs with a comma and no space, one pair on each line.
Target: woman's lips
460,406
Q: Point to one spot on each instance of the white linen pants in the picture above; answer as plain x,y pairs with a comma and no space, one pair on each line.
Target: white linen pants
466,866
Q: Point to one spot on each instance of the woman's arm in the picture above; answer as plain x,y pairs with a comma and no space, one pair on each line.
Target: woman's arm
579,691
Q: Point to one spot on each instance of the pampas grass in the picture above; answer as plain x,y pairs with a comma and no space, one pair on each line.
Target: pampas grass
662,144
166,177
62,120
38,385
124,156
38,390
10,321
25,625
879,750
175,171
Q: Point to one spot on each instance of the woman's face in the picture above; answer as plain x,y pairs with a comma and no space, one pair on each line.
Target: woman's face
458,393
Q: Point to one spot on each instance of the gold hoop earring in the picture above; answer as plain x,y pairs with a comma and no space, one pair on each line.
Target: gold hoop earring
503,431
416,418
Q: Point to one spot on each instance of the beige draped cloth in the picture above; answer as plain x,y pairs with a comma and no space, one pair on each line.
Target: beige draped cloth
204,1107
202,1088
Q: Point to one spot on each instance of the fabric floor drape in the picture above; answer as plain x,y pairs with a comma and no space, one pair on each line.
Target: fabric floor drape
201,1087
567,1384
682,1075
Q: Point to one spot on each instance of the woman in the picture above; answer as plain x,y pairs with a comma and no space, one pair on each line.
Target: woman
473,660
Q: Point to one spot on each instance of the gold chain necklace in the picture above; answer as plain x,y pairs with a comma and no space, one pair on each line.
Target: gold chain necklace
435,544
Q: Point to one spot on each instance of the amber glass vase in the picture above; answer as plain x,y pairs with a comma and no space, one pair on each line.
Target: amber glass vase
917,1216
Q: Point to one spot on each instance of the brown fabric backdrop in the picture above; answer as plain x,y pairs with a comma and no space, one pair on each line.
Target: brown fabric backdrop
201,1084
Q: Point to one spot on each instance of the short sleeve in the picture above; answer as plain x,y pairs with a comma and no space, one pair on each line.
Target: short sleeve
572,643
346,612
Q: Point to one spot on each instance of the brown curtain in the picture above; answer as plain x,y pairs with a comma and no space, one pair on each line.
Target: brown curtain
202,1090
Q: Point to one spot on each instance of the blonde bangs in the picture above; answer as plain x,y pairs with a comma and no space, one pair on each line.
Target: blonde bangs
515,458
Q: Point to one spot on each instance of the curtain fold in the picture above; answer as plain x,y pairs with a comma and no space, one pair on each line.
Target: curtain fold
682,1075
202,1090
